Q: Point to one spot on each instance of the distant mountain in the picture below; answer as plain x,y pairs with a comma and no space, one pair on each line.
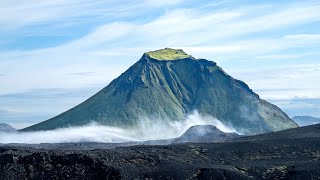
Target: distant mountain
306,120
301,133
6,128
205,133
168,84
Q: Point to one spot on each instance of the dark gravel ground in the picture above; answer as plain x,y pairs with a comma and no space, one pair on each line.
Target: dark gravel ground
284,155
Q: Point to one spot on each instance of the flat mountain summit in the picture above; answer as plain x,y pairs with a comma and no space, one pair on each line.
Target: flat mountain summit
167,85
168,54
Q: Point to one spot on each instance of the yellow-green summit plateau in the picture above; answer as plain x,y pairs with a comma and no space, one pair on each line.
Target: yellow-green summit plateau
168,54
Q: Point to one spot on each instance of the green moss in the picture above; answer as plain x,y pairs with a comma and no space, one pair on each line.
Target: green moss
168,54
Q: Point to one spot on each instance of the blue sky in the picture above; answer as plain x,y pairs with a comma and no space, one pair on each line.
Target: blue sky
55,54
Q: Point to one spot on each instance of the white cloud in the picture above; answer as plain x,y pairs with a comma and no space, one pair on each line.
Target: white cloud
202,31
313,37
101,36
229,34
207,31
16,14
297,55
34,73
146,130
162,2
287,94
202,34
284,82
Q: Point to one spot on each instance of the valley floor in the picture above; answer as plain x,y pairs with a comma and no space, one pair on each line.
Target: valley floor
296,158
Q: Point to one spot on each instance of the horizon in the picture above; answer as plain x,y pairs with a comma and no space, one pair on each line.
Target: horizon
56,54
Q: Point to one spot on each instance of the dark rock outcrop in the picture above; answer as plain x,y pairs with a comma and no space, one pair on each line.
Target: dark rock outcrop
205,133
290,154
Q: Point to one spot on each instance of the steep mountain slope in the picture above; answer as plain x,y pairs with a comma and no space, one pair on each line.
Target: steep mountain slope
167,85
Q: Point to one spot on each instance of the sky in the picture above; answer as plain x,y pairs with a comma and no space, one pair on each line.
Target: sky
56,53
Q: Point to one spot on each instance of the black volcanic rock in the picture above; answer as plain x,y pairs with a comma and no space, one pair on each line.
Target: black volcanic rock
289,154
168,84
6,128
205,133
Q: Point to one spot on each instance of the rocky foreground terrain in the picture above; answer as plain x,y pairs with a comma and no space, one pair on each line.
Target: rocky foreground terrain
290,154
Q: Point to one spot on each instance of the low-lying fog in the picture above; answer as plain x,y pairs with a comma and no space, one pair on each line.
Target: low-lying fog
146,130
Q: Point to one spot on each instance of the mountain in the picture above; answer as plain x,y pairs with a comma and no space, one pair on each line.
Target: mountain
306,120
6,128
205,133
167,85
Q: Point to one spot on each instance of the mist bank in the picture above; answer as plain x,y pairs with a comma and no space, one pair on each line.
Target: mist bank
146,129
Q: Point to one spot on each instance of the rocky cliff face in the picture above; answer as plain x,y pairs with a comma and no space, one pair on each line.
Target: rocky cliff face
168,84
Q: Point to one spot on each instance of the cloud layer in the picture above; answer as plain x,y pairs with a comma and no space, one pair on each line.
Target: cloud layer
147,129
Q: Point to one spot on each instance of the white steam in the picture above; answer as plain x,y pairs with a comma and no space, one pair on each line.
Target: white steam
147,129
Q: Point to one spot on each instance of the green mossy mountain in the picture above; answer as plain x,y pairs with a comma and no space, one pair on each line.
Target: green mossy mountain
169,84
